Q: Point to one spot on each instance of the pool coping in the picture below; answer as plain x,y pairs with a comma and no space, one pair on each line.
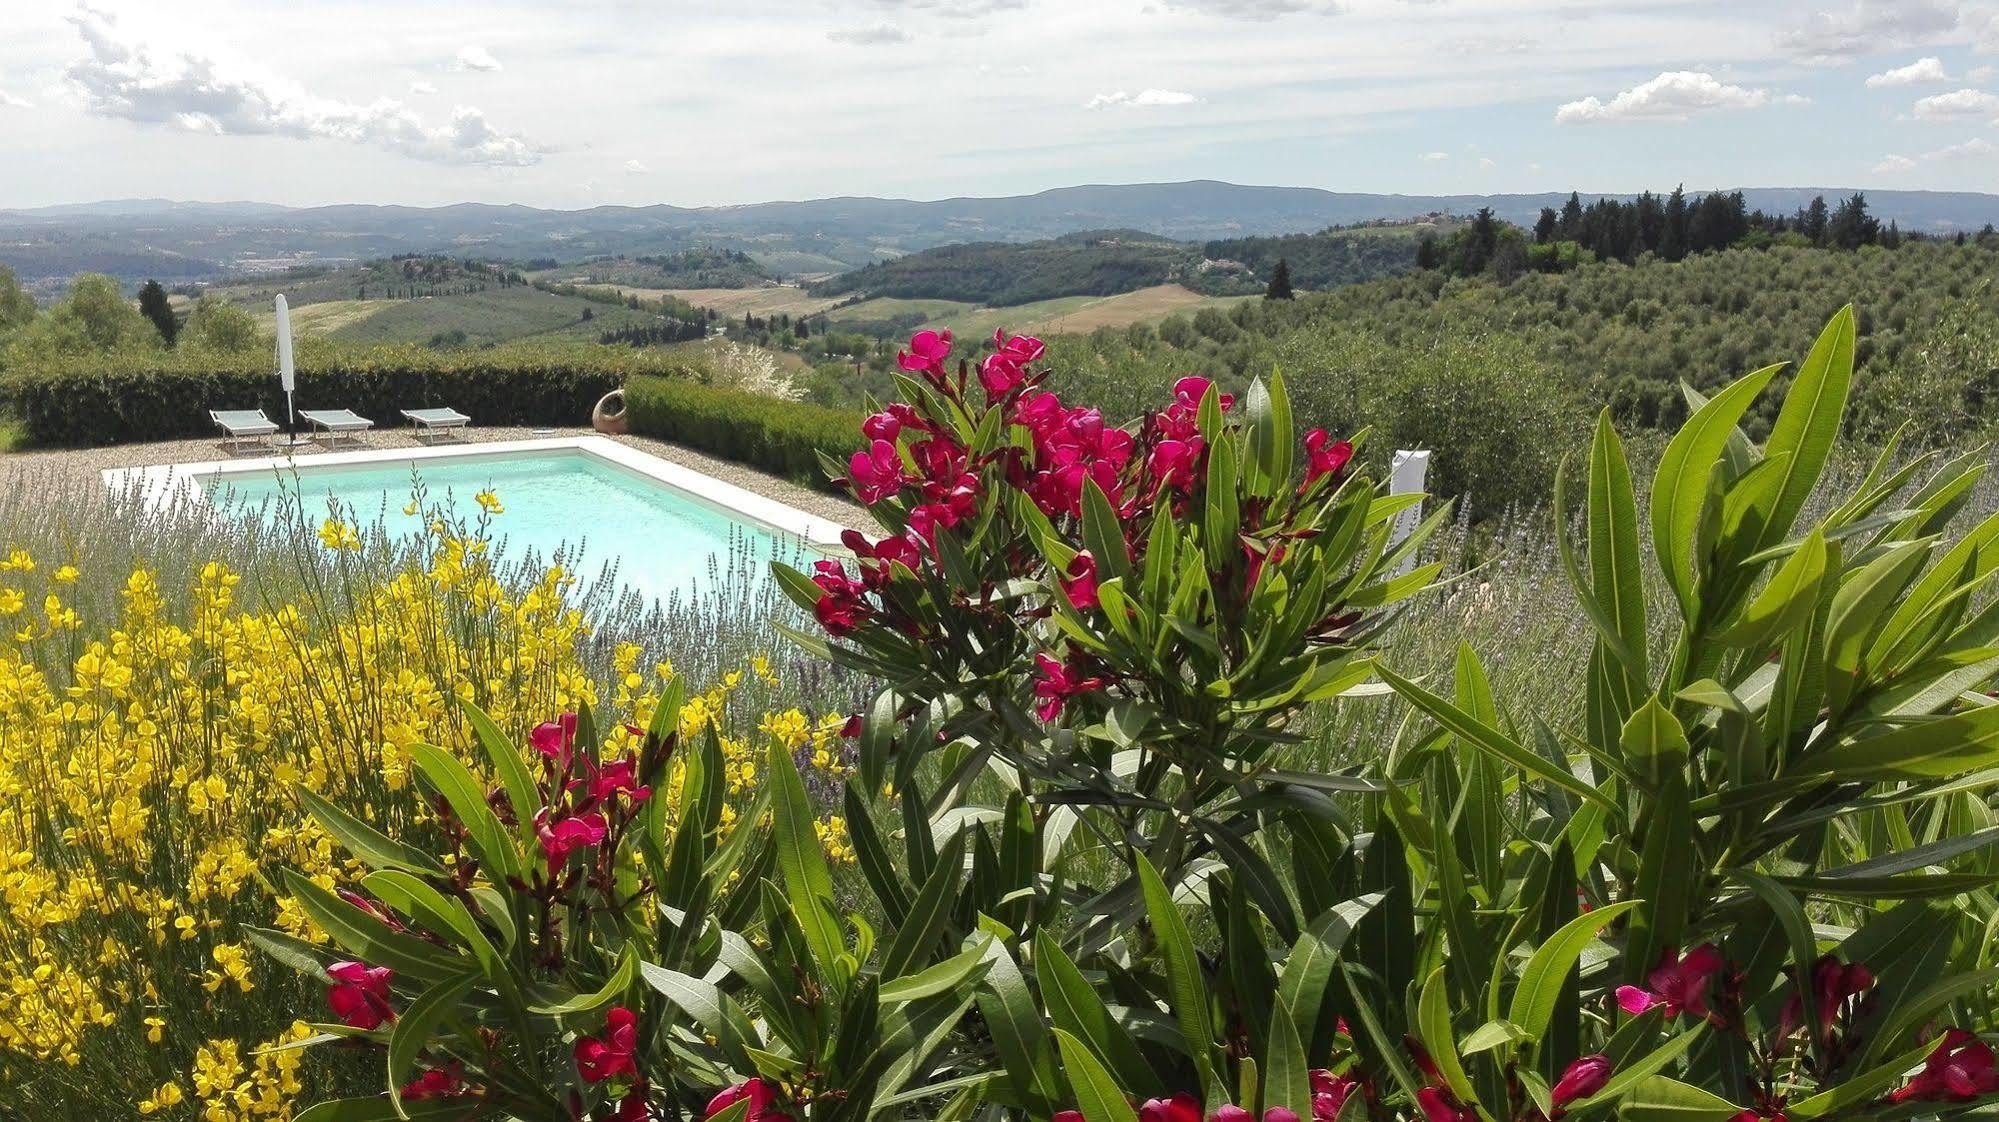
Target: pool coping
166,485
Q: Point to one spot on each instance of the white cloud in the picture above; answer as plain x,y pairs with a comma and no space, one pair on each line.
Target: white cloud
870,36
126,81
15,101
635,167
1869,26
1673,96
954,9
1435,157
1957,105
1487,163
472,56
1975,148
422,89
1259,9
1921,71
1147,98
1983,73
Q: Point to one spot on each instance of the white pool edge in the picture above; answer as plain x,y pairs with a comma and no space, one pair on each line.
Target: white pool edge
165,485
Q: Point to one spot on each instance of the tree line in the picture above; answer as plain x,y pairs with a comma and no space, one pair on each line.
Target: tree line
1672,227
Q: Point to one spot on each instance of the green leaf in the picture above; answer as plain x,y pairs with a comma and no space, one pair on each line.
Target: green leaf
1541,982
413,1029
1659,1099
1287,1080
1615,560
1301,988
1433,1025
509,765
374,848
483,831
1096,1095
1935,748
918,929
931,981
620,980
1784,603
1486,738
1185,984
1075,1006
1808,423
1680,486
1221,525
803,862
368,938
375,1108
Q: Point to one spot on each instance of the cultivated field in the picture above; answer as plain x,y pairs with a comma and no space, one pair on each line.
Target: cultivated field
1064,314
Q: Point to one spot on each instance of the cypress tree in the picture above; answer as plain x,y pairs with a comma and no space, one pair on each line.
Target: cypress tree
154,306
1280,282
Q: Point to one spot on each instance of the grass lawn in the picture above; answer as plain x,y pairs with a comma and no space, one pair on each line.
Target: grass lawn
12,436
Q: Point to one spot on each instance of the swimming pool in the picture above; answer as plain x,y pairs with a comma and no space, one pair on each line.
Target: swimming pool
667,528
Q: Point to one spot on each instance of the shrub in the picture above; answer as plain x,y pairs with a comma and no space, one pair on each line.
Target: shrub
126,397
782,437
152,796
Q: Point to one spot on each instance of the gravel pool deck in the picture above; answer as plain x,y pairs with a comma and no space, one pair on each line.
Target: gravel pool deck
61,475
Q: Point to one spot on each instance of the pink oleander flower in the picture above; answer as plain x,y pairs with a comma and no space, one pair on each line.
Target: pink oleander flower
359,995
760,1095
1230,1112
616,778
839,608
926,354
1171,463
1329,1093
1079,583
1256,559
1958,1070
561,837
1025,348
1058,683
555,739
633,1107
999,373
437,1083
1834,983
1439,1106
1323,458
877,559
1182,1107
876,474
1068,1116
1580,1080
600,1059
882,426
1680,984
1188,392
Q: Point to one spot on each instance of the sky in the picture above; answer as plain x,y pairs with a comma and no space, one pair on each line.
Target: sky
632,102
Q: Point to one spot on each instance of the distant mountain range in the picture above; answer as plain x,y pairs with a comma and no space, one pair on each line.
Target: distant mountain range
181,241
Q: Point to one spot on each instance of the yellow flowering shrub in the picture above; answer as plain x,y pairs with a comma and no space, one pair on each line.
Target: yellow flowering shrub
147,772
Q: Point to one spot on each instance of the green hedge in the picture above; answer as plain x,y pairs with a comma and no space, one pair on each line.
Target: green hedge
124,398
781,437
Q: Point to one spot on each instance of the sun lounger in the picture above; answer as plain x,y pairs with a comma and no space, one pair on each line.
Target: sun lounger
243,424
434,424
336,423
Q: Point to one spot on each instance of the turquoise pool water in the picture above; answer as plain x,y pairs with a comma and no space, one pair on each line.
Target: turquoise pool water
662,541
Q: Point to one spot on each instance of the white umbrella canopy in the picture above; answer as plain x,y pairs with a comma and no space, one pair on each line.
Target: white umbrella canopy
287,373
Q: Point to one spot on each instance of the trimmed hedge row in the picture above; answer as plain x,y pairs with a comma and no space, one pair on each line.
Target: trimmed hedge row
120,399
781,437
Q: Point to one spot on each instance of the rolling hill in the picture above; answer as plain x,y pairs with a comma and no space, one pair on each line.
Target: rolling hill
140,238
